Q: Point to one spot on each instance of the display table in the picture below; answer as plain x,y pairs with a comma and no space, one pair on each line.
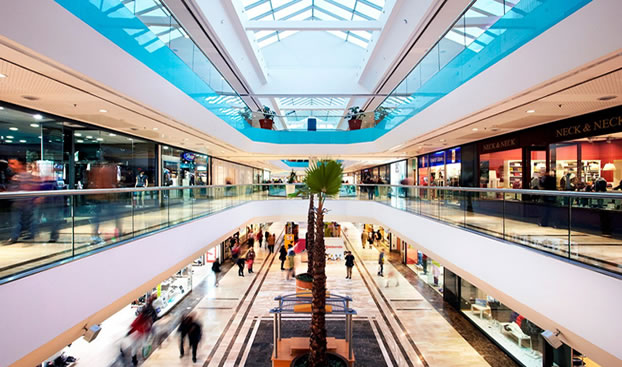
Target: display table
516,332
482,310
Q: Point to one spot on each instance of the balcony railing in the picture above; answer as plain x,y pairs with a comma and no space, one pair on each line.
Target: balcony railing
39,229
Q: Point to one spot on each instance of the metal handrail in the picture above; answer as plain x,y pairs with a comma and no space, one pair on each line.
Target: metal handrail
73,192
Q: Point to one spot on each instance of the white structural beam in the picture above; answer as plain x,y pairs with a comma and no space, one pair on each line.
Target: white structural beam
315,25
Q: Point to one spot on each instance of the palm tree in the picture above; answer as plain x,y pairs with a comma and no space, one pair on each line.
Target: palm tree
323,179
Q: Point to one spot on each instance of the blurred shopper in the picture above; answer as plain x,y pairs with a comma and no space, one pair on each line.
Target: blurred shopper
235,252
104,205
52,207
266,235
349,264
194,336
392,278
271,240
22,212
282,256
216,270
184,328
240,264
259,237
141,181
363,238
250,259
5,175
381,263
291,264
548,183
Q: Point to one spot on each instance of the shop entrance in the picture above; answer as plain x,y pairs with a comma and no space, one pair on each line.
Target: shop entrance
537,163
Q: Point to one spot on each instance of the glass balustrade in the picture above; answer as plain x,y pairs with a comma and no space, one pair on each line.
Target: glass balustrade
40,229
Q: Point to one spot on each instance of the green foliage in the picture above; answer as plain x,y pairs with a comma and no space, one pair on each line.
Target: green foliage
305,277
354,113
267,113
324,178
380,113
301,190
292,177
246,114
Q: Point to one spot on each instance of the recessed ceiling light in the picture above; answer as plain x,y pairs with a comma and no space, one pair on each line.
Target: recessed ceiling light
2,75
8,141
37,117
1,108
155,128
130,139
9,137
89,137
475,129
186,139
77,134
100,139
443,140
164,147
111,134
103,111
13,129
22,141
34,125
80,141
607,98
531,111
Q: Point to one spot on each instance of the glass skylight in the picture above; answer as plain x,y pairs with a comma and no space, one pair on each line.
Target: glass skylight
313,10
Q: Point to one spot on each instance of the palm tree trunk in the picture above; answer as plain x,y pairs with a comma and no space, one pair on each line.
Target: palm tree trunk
317,357
310,234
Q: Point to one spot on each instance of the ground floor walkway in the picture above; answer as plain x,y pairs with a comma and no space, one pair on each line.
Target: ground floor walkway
399,321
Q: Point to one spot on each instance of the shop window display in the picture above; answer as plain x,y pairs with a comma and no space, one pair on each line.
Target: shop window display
428,270
517,335
501,170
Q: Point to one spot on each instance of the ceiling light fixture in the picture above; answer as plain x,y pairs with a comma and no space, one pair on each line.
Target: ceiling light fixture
9,137
100,139
8,141
155,128
13,129
443,140
22,141
89,137
1,108
2,75
111,134
34,125
607,98
475,129
77,134
80,141
531,111
103,111
37,117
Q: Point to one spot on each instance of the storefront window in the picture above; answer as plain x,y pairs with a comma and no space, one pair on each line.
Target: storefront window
513,332
428,270
398,172
225,172
423,167
453,166
437,169
501,169
184,168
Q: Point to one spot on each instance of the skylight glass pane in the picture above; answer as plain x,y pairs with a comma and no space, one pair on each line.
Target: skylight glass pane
330,8
358,17
323,16
490,6
349,3
267,41
286,34
377,2
258,10
357,42
278,3
246,3
302,16
368,10
363,34
339,34
291,9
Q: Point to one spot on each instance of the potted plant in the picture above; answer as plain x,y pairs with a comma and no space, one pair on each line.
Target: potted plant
267,122
323,179
354,118
380,113
247,115
304,281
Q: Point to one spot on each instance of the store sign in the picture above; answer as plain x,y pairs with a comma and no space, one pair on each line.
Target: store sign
590,128
437,159
188,156
494,146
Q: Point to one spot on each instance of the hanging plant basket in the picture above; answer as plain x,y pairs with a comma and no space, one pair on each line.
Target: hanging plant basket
355,124
266,124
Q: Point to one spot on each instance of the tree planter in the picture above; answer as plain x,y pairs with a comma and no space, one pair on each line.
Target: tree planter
266,124
333,360
355,124
304,281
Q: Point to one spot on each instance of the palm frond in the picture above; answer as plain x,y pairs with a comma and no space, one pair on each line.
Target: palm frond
324,177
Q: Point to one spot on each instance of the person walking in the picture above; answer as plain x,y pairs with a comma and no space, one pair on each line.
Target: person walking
194,336
282,256
271,240
266,235
291,264
381,263
259,238
250,259
216,270
240,264
349,264
183,329
363,238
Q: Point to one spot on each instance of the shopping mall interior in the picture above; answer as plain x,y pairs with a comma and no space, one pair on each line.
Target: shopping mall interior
311,183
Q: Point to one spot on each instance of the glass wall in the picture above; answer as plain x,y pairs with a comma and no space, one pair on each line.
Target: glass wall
513,332
225,172
428,269
442,168
68,152
184,168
